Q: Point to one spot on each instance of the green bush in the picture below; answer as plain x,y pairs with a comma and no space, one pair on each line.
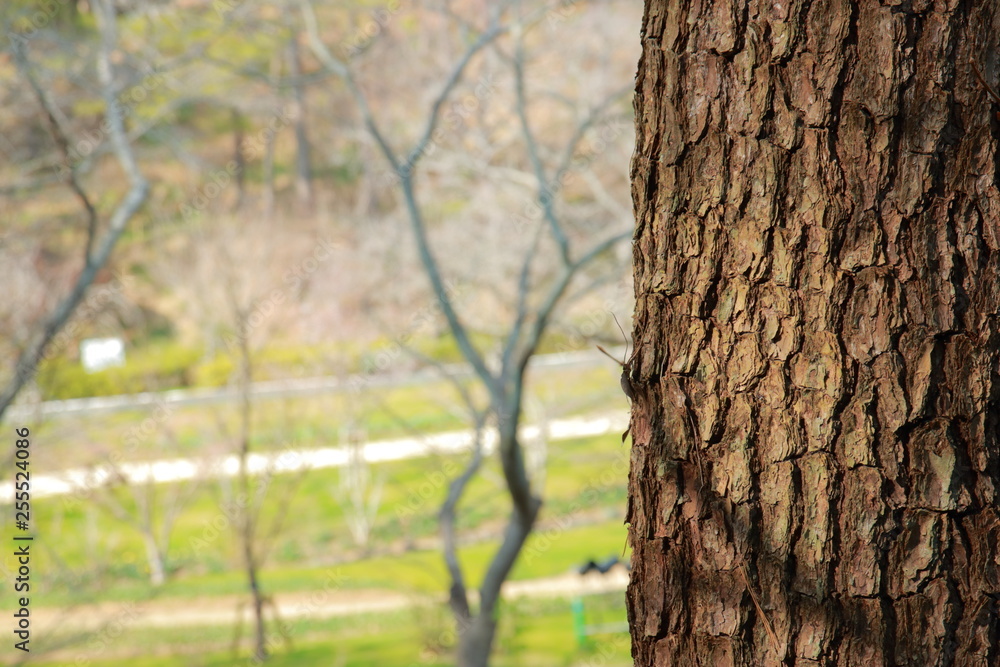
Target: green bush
159,365
151,369
213,372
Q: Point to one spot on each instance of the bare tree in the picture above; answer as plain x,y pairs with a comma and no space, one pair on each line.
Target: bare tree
231,289
248,506
359,492
153,511
99,244
303,170
240,296
534,308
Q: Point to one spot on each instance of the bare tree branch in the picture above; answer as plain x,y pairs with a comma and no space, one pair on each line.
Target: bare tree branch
458,596
404,171
556,293
492,32
523,290
59,135
32,355
545,189
343,71
506,386
458,329
594,115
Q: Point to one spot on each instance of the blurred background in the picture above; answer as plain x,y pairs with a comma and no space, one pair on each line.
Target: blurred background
301,307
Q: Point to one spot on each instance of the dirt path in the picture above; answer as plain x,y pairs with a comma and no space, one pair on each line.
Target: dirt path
226,610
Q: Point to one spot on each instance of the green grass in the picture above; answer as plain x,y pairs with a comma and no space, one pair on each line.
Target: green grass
549,552
302,422
160,364
530,632
85,551
85,554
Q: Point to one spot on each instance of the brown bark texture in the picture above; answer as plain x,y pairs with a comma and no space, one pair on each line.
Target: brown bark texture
815,462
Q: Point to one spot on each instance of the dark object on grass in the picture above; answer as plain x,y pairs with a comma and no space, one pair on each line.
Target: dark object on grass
603,566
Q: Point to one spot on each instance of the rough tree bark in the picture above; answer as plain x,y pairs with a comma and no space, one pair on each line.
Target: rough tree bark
817,271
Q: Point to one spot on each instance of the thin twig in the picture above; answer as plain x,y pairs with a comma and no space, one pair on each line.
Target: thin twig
545,189
523,289
760,612
404,170
59,135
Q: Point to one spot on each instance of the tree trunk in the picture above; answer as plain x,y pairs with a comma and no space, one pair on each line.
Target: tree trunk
267,169
475,642
156,558
303,171
245,504
476,632
815,428
257,596
239,157
268,175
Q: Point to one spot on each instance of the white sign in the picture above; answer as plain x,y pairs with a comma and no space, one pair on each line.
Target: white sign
100,353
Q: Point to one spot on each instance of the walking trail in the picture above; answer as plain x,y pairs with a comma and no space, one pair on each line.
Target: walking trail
323,603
